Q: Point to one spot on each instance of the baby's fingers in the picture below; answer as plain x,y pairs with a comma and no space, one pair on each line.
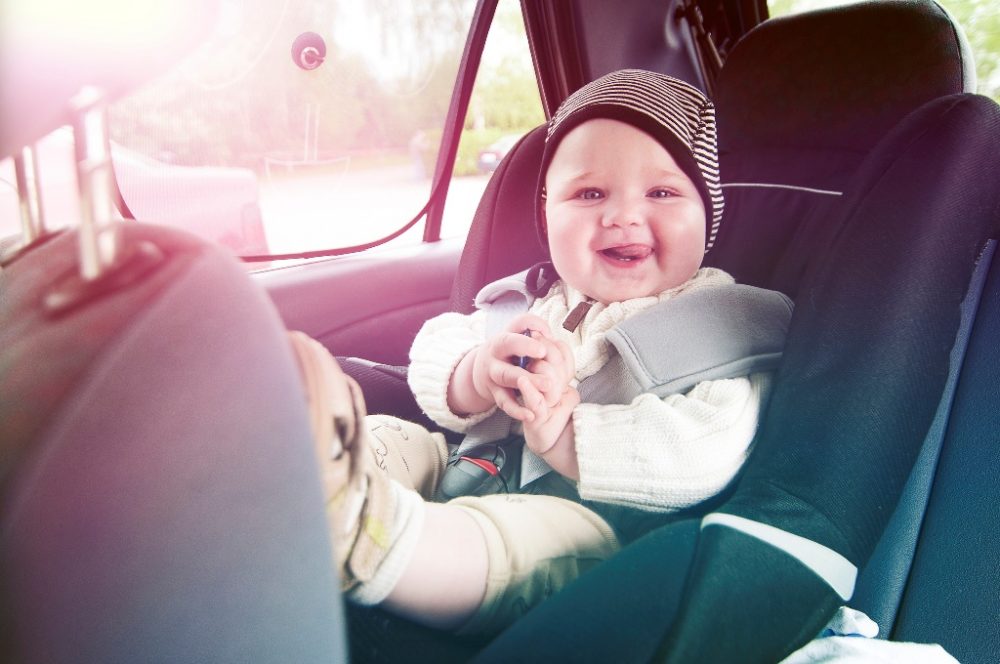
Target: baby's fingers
530,322
532,398
508,403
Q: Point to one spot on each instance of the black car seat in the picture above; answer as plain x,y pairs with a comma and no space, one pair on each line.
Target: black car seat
782,175
801,101
868,358
790,147
784,178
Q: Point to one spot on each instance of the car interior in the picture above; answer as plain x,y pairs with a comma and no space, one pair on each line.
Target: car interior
160,501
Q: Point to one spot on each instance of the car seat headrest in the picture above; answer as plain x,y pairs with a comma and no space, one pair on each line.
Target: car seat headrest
801,100
503,238
804,80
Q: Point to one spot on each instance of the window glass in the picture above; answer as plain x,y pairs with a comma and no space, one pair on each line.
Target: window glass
505,105
241,145
300,125
980,20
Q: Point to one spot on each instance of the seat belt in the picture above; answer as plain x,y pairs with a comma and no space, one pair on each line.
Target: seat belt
700,322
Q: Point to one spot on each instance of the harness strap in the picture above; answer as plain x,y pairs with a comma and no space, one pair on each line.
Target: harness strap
708,334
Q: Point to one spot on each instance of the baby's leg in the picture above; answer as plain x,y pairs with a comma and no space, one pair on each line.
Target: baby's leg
475,563
480,573
408,453
381,529
445,581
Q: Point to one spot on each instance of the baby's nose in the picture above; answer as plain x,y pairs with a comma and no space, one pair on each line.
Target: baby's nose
624,213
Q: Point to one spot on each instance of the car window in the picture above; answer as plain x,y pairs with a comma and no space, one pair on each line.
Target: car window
505,105
979,19
306,125
300,125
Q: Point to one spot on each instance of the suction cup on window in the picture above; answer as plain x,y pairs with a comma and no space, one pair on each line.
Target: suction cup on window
308,50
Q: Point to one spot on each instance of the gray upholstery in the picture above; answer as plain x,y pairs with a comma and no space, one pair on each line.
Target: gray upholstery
159,499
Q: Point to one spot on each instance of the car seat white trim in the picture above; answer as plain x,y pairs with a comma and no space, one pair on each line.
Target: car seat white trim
836,570
770,185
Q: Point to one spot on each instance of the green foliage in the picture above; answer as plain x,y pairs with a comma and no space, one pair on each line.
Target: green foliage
472,141
508,99
980,19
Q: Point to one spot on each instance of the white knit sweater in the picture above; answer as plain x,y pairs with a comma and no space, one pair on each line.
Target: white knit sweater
654,454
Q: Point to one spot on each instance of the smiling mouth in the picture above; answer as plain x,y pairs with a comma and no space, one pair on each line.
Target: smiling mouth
627,253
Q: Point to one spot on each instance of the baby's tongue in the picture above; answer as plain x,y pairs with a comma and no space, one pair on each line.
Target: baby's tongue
628,252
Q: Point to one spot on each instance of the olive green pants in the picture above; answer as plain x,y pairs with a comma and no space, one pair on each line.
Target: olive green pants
536,544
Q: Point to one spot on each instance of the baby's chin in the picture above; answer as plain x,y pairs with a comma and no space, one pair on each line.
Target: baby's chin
619,293
623,291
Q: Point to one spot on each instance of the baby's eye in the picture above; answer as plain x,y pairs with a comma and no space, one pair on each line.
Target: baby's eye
590,194
661,192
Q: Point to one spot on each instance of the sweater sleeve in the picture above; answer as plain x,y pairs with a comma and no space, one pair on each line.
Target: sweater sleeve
666,454
437,349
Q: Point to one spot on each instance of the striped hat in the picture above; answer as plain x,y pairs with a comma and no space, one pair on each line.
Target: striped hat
674,113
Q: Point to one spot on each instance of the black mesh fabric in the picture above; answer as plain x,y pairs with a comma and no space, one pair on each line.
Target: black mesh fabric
801,100
961,533
503,238
865,364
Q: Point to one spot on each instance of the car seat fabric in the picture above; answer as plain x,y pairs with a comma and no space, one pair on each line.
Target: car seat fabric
503,238
951,596
859,384
861,378
801,100
160,499
882,581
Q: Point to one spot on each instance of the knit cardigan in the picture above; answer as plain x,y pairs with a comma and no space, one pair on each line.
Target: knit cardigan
654,454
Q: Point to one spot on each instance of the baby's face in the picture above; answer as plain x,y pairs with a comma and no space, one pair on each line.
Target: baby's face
623,220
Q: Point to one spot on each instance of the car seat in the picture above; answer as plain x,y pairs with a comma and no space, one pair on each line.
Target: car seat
796,206
785,167
801,101
159,499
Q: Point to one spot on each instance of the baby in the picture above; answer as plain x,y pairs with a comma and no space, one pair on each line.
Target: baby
629,203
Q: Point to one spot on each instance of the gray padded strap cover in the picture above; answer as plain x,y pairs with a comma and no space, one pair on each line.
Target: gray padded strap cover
503,300
707,334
